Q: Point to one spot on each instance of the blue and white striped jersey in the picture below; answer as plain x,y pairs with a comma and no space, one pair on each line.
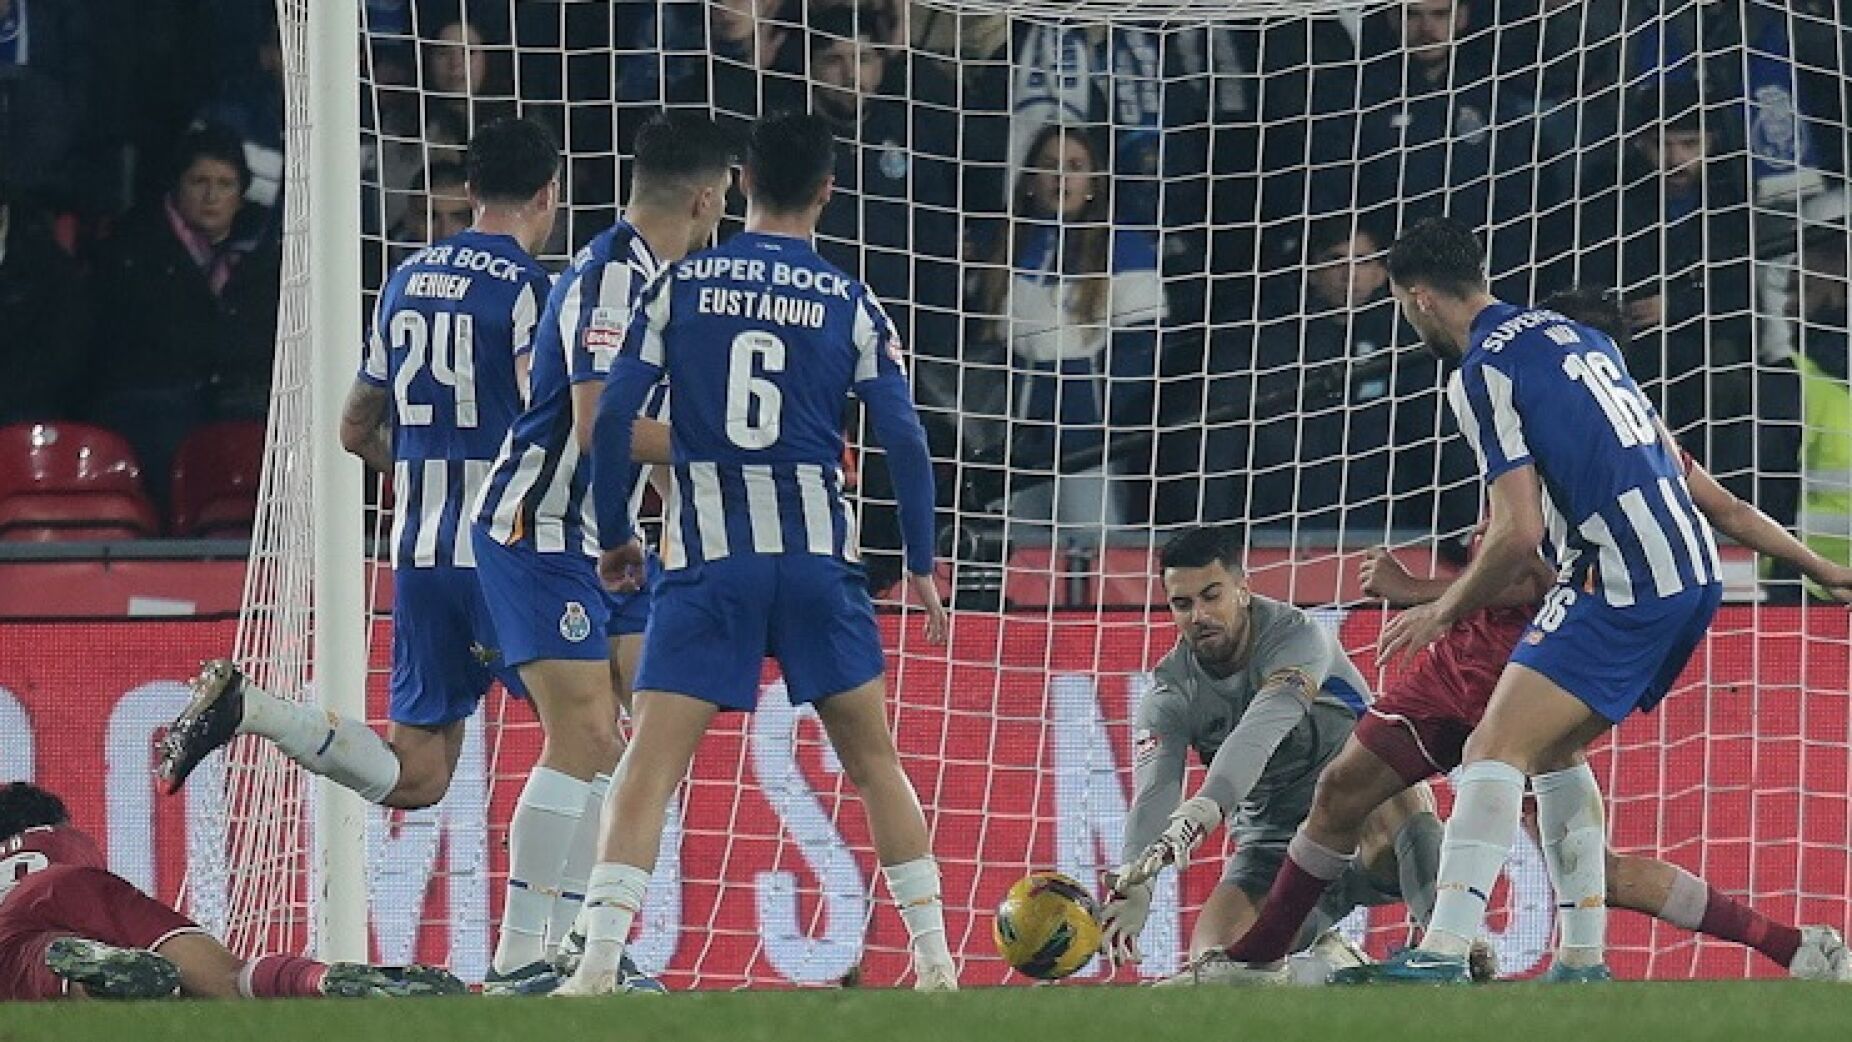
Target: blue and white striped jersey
539,490
762,341
449,324
1537,389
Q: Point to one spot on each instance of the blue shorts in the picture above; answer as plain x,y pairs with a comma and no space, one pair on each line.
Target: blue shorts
714,624
545,606
1617,660
444,647
630,611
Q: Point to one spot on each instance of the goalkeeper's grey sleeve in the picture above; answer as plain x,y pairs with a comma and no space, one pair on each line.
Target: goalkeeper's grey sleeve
1243,757
1160,748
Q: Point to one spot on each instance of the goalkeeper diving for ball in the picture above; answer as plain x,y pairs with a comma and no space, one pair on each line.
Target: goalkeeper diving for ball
1266,697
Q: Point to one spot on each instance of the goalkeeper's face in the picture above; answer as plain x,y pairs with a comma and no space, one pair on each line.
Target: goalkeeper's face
1210,606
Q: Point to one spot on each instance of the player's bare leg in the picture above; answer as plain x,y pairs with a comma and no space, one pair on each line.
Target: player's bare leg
669,727
1357,792
1530,723
574,701
562,948
1228,914
1673,895
209,970
857,724
226,704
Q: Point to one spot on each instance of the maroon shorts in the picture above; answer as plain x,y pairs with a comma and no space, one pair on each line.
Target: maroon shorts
1419,724
74,901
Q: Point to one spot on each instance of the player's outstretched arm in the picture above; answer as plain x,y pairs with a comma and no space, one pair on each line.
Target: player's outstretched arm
1750,527
1510,547
882,387
1382,576
1157,783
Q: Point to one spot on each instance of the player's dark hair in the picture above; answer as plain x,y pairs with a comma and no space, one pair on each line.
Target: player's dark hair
676,148
1203,546
1591,308
789,156
510,159
26,806
1441,253
210,141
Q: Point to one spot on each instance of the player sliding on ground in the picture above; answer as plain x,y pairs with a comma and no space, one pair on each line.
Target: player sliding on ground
1266,697
762,341
536,546
1419,727
70,928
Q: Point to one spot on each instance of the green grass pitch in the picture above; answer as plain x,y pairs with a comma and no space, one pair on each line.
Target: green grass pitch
1688,1012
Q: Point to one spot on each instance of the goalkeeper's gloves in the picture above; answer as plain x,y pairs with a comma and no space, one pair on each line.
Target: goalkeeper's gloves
1189,824
1123,919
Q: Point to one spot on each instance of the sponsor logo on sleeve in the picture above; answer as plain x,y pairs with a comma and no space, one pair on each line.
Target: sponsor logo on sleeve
604,333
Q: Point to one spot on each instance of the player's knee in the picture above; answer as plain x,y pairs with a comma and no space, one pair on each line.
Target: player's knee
1338,801
420,785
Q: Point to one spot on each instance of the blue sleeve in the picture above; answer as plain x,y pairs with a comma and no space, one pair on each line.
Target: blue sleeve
638,367
882,386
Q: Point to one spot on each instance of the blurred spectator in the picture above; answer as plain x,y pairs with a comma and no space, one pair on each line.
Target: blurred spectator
1076,303
439,207
44,75
433,211
754,57
1675,240
894,221
249,102
1819,304
464,83
44,316
191,310
1435,135
1347,432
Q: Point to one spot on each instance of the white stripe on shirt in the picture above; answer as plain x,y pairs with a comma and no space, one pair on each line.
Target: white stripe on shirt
1653,540
436,482
768,535
674,546
1616,580
475,475
402,486
1692,552
709,509
1505,420
819,527
549,513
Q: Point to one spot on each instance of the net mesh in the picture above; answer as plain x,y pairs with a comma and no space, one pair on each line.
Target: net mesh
1136,253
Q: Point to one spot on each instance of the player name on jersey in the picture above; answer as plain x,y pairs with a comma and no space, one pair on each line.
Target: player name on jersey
761,307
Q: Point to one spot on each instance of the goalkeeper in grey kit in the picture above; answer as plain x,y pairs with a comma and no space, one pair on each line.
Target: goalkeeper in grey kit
1266,697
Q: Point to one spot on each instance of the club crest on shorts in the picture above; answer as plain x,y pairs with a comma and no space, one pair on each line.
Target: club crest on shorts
574,624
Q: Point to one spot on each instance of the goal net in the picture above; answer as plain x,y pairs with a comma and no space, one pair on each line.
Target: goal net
1136,251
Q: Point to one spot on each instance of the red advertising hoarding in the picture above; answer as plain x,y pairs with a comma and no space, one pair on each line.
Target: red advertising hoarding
1017,739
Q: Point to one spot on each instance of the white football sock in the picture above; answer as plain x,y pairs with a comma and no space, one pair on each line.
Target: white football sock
579,860
612,896
539,834
1472,853
914,887
1573,829
345,751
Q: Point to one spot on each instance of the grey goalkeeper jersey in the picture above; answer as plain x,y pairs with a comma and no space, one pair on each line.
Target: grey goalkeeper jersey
1189,709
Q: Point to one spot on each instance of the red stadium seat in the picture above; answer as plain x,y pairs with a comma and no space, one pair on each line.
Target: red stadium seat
215,479
66,481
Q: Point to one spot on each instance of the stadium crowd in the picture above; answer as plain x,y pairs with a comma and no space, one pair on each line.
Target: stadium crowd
1139,267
